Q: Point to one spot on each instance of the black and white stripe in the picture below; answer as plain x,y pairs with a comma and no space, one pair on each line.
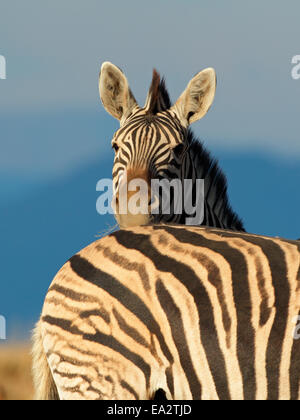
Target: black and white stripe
171,152
195,312
156,138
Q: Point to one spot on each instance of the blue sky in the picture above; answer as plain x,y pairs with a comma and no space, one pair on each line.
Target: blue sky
54,132
54,52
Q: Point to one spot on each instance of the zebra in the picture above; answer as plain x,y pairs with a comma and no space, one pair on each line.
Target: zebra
176,311
155,142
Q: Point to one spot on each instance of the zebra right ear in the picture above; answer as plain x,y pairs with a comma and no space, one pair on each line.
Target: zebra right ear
114,92
197,98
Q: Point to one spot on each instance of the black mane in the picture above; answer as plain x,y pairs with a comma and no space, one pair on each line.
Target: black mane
208,168
158,94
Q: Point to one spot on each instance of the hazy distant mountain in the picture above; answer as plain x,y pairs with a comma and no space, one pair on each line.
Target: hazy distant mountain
40,233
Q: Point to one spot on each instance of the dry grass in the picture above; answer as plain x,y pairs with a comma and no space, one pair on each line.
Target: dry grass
15,372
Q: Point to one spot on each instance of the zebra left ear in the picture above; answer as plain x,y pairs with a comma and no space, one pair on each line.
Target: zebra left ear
115,93
197,98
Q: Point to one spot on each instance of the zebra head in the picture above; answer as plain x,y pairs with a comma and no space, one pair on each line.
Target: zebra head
152,141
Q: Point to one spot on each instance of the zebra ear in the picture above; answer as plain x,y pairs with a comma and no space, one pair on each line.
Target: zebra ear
197,98
114,92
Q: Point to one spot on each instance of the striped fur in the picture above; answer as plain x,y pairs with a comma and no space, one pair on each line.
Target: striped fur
198,313
165,162
156,141
45,388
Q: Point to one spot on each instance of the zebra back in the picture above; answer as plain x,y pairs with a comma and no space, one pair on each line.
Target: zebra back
198,313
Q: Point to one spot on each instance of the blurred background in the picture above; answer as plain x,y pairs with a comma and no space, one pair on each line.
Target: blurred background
55,135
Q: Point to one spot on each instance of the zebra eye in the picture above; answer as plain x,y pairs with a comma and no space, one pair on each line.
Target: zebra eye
115,147
178,150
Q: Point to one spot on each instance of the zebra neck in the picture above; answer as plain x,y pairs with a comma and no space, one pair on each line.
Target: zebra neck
198,164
